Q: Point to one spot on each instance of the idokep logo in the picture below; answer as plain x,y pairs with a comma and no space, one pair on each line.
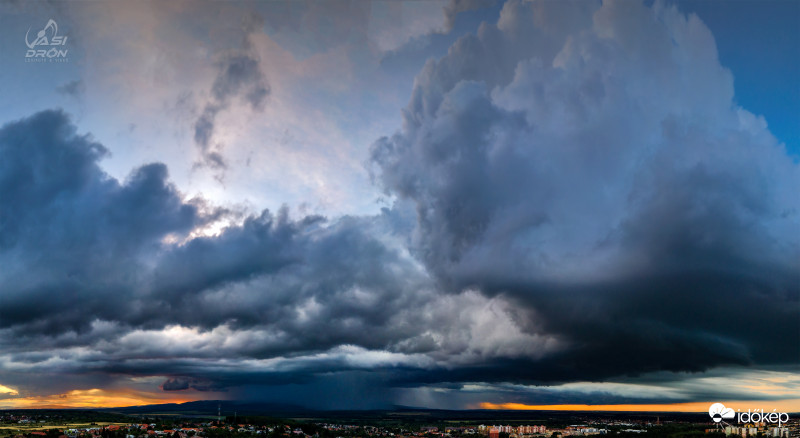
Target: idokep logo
718,412
47,44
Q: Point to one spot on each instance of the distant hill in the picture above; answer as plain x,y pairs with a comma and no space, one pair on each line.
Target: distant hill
209,408
405,414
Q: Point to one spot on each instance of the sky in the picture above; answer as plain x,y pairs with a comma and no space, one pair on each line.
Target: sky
360,205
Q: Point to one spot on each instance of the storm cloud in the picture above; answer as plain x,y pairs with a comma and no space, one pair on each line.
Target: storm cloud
599,174
108,277
574,199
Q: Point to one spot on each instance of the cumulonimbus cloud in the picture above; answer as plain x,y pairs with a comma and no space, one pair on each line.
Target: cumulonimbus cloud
599,172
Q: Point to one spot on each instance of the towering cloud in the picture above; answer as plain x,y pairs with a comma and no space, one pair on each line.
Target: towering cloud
589,161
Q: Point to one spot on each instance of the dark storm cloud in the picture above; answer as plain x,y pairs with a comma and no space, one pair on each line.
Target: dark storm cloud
599,175
239,75
314,287
69,233
104,276
184,383
79,246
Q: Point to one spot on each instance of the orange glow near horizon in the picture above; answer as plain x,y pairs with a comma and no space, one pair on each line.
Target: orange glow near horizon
792,405
100,398
90,398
